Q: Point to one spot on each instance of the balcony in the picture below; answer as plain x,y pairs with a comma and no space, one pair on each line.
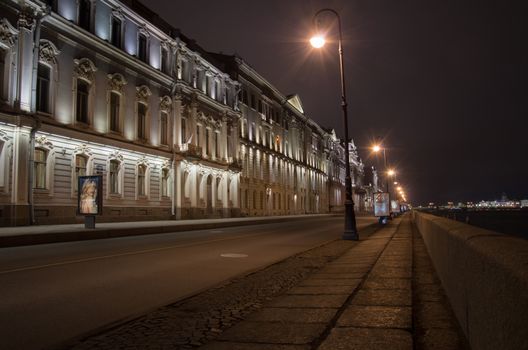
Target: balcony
190,150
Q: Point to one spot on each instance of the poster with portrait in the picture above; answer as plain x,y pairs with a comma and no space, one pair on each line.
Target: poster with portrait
90,195
381,204
395,205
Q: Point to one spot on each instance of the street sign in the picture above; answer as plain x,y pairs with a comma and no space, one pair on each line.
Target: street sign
381,204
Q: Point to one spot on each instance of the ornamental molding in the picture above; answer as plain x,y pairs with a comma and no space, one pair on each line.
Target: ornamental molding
118,13
165,104
116,82
26,19
42,141
143,93
166,164
143,161
116,155
48,52
83,149
8,33
142,29
85,68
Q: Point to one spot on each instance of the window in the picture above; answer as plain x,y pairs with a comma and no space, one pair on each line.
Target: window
115,103
80,168
198,135
43,88
206,141
186,71
244,97
254,199
141,121
164,128
85,14
142,47
165,182
114,177
217,145
253,102
3,75
260,106
81,111
141,180
183,130
165,60
39,167
116,32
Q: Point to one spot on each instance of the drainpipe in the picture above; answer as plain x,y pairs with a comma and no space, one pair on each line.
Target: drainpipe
37,123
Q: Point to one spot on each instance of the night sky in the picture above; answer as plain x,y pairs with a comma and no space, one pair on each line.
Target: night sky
443,83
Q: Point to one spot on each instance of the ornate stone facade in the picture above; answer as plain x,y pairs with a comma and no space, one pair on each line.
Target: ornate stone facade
164,122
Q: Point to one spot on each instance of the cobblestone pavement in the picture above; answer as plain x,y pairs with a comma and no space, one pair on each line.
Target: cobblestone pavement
378,293
199,319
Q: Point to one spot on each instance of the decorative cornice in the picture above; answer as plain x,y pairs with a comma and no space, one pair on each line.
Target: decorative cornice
142,29
26,19
84,68
83,149
165,104
143,93
116,82
116,155
118,13
43,141
48,51
8,33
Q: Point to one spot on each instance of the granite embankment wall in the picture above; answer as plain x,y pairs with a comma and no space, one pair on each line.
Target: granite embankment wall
485,276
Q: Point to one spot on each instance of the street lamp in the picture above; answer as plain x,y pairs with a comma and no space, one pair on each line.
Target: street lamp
318,41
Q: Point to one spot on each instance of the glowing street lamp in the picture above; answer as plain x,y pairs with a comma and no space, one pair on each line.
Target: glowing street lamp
318,41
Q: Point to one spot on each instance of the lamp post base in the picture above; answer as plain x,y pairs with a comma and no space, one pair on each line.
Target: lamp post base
350,233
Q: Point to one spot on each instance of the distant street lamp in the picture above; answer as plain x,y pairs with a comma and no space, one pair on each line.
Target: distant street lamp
318,41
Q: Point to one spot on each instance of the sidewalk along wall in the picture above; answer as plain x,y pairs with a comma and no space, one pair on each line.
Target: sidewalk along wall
485,276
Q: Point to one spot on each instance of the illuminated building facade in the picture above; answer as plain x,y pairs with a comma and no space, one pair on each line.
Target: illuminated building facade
92,87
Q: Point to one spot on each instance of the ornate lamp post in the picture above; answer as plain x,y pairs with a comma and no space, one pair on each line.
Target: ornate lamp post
318,41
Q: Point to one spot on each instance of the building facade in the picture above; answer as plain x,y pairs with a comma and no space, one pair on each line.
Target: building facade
105,87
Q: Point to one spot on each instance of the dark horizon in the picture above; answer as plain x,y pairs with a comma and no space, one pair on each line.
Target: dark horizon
440,83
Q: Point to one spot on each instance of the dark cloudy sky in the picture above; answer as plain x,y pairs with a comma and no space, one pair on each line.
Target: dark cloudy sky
442,82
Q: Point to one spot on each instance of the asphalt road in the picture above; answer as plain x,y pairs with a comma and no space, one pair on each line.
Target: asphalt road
53,293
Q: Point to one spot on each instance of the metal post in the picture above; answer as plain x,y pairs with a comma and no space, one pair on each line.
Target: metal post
350,232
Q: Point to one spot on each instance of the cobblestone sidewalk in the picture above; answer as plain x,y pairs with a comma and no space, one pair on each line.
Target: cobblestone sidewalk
199,319
378,293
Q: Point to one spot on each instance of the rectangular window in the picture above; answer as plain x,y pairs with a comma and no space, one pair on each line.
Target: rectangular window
217,145
3,54
164,128
142,47
141,180
39,167
114,176
260,106
83,89
206,141
43,88
115,102
116,32
141,121
198,135
253,102
165,182
80,169
85,14
183,130
165,60
244,97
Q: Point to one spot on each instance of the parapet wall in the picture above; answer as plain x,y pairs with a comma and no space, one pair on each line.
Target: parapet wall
485,276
